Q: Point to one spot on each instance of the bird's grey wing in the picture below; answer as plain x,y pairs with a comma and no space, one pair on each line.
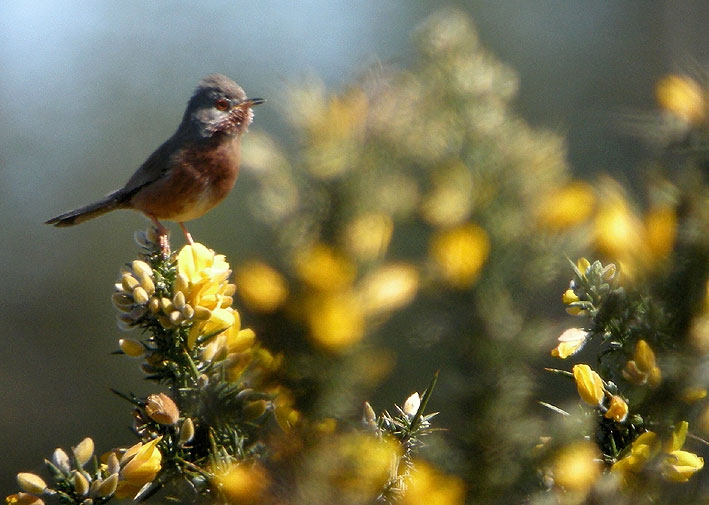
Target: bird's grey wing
157,165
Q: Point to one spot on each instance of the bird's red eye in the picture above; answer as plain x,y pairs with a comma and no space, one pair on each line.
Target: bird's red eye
221,104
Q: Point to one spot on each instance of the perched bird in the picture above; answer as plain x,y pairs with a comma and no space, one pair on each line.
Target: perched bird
193,170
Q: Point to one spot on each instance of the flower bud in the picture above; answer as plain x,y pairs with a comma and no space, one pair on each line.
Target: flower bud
369,417
131,347
175,317
84,451
147,283
141,267
112,464
162,409
187,312
179,300
140,296
186,432
618,409
166,305
81,484
122,301
644,356
255,409
412,404
31,483
128,282
61,460
181,282
108,486
154,305
202,313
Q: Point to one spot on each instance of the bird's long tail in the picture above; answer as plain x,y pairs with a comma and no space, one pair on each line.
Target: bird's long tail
113,201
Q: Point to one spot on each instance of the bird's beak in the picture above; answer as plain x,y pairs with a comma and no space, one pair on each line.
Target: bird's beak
250,102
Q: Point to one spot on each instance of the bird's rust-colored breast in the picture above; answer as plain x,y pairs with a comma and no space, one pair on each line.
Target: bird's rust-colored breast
199,177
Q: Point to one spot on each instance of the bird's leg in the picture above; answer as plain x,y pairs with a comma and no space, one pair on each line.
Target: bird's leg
162,236
188,237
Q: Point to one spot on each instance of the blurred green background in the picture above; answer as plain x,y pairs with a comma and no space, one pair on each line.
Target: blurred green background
87,91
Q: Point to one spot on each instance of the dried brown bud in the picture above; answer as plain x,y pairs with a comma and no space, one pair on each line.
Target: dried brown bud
162,409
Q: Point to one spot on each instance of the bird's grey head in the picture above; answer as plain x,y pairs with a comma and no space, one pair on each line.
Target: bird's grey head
218,107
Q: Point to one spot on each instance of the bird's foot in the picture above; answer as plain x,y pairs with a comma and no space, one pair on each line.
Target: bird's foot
164,245
188,236
163,238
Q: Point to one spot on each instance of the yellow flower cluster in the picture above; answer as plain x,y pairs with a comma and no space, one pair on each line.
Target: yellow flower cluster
122,473
636,242
336,307
592,390
239,483
566,207
202,284
676,465
137,466
361,465
427,486
459,253
576,467
682,97
261,287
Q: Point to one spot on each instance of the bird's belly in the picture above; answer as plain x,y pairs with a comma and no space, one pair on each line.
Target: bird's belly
191,187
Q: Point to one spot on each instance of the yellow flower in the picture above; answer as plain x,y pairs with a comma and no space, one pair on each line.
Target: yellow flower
202,277
570,297
324,269
678,465
336,321
140,464
459,253
661,230
427,486
23,499
692,395
682,97
583,264
618,231
362,464
617,410
589,384
220,320
262,287
566,207
577,466
388,288
570,342
240,483
642,450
